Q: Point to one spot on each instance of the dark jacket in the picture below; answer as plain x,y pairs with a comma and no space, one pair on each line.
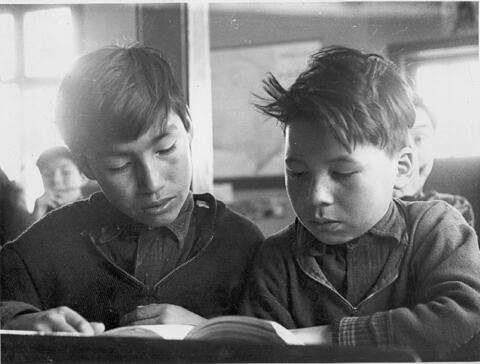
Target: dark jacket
14,217
425,293
55,263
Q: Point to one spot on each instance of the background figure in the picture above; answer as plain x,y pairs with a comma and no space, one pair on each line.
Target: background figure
14,217
423,132
62,180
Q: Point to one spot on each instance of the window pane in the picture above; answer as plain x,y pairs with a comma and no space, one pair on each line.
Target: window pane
49,42
451,89
10,131
7,46
40,134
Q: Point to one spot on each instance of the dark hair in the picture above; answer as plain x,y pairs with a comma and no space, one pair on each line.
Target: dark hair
52,154
360,98
117,92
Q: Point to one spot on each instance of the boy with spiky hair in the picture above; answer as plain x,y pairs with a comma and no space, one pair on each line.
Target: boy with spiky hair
358,267
145,250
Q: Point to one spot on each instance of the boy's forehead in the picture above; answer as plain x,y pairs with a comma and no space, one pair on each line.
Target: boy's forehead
58,162
319,144
108,144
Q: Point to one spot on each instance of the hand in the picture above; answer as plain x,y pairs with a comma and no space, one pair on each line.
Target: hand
161,313
314,335
43,204
59,319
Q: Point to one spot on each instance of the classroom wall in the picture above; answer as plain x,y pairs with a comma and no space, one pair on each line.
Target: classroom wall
104,24
368,32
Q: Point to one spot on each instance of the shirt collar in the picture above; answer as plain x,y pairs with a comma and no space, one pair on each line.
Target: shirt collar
392,225
114,223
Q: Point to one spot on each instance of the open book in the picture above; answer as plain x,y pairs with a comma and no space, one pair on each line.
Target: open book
225,328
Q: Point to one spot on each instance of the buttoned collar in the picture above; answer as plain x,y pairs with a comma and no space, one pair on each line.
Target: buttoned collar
115,224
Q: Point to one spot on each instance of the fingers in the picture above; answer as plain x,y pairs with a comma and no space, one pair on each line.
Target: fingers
77,322
97,327
59,319
161,314
153,313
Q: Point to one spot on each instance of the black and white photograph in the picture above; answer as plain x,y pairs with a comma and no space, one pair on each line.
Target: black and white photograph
269,181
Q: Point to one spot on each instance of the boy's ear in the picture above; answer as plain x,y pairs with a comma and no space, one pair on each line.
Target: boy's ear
84,166
405,167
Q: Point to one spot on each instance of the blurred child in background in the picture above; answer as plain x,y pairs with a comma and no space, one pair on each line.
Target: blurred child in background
423,133
62,180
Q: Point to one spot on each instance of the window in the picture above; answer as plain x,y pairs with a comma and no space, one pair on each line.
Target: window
450,87
446,75
38,45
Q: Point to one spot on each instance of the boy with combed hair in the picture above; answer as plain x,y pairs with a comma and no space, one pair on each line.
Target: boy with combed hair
358,267
145,250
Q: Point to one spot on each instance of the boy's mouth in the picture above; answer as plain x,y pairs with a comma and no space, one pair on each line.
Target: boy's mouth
325,224
324,221
158,207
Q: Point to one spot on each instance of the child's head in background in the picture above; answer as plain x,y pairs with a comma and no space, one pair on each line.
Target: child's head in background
122,113
346,121
422,133
61,177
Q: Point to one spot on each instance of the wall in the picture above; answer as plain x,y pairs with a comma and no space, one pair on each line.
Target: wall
104,24
367,32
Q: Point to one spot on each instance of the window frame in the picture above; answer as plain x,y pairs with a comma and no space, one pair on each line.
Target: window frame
408,56
25,83
18,12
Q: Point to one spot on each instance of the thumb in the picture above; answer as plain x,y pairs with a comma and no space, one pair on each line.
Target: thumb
98,327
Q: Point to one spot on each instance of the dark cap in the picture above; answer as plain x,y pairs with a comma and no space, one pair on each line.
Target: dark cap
52,154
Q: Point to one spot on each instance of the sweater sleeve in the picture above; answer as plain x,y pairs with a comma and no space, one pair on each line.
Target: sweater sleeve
18,292
445,313
266,294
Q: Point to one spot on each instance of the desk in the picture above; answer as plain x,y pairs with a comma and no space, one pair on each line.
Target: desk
60,349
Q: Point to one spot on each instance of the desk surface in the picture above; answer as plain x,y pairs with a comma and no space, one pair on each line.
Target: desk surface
55,349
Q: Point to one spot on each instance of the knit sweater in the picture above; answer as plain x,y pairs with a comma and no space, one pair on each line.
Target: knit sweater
425,291
55,263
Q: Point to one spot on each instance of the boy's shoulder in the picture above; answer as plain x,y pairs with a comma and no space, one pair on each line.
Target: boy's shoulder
62,225
225,218
281,244
432,222
428,212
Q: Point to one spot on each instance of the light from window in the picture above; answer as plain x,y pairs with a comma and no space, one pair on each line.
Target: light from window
451,90
7,46
10,130
40,134
49,47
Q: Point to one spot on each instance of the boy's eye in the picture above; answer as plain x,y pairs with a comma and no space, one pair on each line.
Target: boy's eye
167,150
119,168
343,174
293,173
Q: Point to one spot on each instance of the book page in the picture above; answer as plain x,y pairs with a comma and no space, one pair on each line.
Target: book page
243,329
168,332
41,333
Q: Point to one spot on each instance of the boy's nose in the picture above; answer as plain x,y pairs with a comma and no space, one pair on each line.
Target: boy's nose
150,178
57,178
321,191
